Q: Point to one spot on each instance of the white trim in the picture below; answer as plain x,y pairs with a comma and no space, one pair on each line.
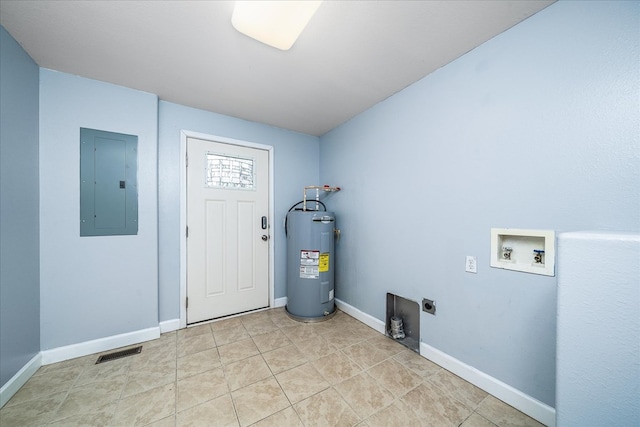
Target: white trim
184,134
12,386
169,325
280,302
183,227
519,400
96,346
231,316
365,318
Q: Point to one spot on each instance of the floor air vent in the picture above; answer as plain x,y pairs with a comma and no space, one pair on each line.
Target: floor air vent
119,354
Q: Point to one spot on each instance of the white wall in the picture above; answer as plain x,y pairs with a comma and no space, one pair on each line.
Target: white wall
537,128
93,287
598,329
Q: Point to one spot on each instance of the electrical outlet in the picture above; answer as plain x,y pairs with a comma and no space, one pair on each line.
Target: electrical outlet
429,306
471,266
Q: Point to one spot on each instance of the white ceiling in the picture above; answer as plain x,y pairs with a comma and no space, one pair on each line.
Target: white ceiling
352,55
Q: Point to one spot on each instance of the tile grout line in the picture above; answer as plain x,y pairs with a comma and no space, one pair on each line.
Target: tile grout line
274,377
434,378
331,386
54,413
175,386
291,404
224,372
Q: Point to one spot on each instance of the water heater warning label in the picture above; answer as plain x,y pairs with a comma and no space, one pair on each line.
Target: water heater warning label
309,272
309,257
323,265
309,261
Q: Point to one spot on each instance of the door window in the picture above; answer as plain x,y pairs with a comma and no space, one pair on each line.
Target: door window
234,173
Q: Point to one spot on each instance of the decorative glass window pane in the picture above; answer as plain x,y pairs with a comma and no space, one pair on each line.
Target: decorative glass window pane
229,172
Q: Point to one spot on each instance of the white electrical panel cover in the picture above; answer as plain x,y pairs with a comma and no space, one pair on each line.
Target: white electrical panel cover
530,251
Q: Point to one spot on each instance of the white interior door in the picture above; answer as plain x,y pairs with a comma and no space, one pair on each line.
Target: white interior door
228,231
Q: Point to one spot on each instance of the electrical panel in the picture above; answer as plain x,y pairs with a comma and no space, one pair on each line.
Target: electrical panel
108,183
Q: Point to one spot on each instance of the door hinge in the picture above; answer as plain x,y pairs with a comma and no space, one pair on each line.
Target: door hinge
187,231
187,303
186,159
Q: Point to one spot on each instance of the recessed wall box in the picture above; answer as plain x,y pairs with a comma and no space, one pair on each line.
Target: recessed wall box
108,183
530,251
408,312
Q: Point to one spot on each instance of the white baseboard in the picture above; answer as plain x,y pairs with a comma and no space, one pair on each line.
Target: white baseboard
60,354
365,318
12,386
514,397
169,325
519,400
96,346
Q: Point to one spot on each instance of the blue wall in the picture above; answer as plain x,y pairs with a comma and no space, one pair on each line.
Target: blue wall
537,128
296,165
19,227
94,287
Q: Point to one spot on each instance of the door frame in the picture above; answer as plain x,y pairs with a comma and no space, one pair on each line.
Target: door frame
184,135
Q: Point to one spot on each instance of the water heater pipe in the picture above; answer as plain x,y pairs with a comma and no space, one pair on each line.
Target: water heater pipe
324,188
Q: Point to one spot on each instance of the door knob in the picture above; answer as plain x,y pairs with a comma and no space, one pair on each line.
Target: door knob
265,237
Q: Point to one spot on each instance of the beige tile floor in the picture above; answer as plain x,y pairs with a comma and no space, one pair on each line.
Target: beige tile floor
261,369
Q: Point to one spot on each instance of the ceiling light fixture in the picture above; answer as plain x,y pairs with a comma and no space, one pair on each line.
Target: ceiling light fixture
275,23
